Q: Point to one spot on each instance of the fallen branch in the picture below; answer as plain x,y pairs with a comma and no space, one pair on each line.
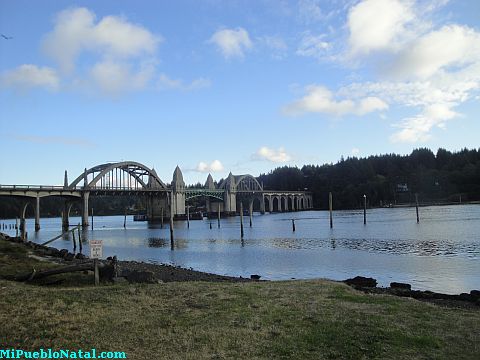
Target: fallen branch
62,270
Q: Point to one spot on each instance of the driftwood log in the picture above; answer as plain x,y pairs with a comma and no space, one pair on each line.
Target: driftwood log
62,270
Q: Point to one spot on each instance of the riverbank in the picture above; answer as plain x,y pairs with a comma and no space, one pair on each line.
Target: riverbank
315,319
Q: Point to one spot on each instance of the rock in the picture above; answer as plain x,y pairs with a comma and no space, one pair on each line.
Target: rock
361,282
142,277
255,277
69,256
475,294
398,285
107,272
62,253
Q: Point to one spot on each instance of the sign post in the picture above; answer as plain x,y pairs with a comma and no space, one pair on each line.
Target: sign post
96,252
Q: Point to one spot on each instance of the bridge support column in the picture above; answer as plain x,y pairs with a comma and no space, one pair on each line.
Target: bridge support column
293,202
37,214
85,197
262,205
286,203
270,203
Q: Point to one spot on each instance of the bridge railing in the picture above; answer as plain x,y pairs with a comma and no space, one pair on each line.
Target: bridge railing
31,187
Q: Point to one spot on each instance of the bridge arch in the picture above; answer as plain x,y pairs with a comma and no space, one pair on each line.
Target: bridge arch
133,169
247,183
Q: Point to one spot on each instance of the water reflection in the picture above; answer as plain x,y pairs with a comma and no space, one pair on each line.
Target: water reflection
431,255
157,242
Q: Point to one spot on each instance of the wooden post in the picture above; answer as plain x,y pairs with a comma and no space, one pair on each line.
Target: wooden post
416,206
161,218
210,224
16,227
79,238
330,206
92,218
96,272
218,216
74,242
364,209
188,217
171,221
125,220
293,225
241,219
250,211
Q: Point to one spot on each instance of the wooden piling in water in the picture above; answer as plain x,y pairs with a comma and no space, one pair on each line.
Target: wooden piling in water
218,216
188,217
161,218
293,225
74,241
125,220
92,218
241,220
364,209
416,206
330,206
250,211
171,227
79,238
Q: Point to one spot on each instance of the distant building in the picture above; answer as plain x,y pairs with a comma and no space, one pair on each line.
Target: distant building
402,187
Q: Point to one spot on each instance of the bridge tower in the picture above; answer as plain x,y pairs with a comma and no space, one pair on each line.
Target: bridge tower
230,198
178,192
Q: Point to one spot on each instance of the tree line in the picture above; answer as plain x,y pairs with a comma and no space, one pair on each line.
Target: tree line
385,179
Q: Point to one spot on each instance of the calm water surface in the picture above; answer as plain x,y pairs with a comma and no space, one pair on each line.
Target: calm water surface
442,253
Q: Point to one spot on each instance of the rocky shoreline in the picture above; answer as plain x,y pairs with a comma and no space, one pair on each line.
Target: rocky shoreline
117,271
114,270
369,285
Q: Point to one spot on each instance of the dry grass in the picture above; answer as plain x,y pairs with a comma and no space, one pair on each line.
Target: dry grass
199,320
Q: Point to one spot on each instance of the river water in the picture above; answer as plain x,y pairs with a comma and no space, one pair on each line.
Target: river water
441,253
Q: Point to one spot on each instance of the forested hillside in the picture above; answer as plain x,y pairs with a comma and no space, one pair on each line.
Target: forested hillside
386,179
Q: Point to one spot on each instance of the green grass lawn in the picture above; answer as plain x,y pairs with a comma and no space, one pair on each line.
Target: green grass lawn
257,320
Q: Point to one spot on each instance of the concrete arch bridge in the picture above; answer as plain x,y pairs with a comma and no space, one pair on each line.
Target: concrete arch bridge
130,178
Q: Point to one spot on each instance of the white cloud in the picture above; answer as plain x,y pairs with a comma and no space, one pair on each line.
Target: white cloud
29,76
312,45
75,31
430,53
417,128
232,43
214,166
319,99
277,156
355,151
377,24
116,77
166,83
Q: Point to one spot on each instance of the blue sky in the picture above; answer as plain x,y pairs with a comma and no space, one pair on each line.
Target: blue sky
241,86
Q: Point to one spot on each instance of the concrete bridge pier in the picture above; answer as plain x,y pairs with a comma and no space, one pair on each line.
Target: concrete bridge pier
85,197
262,205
